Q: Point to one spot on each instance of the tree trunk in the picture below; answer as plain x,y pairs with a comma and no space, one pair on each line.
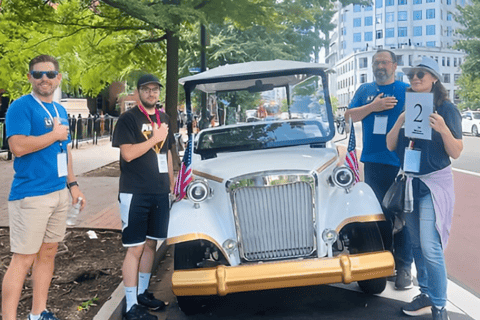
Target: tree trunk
171,91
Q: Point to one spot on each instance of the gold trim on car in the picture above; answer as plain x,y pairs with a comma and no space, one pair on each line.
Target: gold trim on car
196,236
326,164
222,280
207,176
367,218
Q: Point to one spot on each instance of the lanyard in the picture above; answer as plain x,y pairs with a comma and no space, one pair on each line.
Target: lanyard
157,114
49,114
44,108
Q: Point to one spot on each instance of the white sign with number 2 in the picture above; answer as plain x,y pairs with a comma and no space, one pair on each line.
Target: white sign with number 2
418,108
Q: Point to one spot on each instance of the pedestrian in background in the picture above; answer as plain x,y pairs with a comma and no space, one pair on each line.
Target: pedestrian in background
378,105
429,224
146,179
38,135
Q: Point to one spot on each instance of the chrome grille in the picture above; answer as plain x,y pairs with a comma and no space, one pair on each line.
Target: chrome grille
275,222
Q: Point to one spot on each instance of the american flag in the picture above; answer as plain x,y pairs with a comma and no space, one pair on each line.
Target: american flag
185,174
351,157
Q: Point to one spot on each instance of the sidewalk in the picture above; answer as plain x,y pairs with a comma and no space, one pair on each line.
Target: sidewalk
101,193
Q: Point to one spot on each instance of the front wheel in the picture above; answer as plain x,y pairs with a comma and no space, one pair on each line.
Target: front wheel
370,240
474,131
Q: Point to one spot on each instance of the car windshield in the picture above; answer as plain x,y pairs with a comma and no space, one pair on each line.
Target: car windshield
476,116
249,120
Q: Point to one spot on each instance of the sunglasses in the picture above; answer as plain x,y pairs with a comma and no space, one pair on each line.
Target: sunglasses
420,75
39,74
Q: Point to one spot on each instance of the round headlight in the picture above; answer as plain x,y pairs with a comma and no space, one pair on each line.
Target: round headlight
329,236
198,191
343,177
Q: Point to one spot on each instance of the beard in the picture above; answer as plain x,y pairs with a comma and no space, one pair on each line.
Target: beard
44,91
147,104
381,75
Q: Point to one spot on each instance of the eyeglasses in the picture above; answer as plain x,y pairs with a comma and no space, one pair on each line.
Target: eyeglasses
148,90
39,74
377,63
420,75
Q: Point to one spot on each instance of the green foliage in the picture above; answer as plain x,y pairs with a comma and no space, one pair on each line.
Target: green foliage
87,304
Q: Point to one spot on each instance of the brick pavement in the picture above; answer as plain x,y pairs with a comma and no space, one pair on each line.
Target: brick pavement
101,193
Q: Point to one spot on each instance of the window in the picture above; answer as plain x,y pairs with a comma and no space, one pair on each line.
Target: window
402,15
430,14
378,3
446,77
430,31
378,18
369,8
357,37
399,59
389,32
430,43
368,21
344,45
402,31
449,17
389,3
449,1
402,2
379,34
456,76
455,95
344,31
417,31
455,64
363,78
390,17
448,61
357,8
429,1
357,22
417,1
363,62
417,15
368,36
443,62
449,31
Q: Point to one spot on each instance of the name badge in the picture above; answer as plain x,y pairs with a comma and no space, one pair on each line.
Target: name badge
162,163
62,164
380,125
411,161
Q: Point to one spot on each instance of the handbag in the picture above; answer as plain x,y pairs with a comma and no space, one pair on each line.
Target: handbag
394,199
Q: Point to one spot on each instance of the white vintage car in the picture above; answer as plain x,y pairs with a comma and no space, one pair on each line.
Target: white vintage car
270,204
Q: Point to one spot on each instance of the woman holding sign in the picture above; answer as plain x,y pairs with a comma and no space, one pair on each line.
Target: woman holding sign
426,161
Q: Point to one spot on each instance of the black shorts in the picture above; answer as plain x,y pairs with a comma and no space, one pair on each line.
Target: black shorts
143,216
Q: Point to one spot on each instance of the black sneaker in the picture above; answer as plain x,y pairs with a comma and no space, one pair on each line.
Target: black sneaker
46,315
419,306
403,280
440,314
138,313
148,300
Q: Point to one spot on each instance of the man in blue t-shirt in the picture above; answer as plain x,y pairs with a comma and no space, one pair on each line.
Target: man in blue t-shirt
378,105
38,136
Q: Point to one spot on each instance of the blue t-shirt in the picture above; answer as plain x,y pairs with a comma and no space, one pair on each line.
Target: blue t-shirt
36,173
433,156
375,145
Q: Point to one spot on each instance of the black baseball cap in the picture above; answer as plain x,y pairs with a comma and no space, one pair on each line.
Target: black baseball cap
147,79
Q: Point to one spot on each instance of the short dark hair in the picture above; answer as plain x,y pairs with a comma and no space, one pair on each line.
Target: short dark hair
394,57
43,58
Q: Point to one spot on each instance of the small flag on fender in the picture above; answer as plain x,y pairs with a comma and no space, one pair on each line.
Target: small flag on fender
351,157
185,174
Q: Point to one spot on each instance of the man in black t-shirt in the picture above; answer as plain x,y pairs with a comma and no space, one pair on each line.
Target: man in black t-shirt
146,179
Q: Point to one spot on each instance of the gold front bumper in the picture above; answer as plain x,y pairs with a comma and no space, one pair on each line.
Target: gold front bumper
223,280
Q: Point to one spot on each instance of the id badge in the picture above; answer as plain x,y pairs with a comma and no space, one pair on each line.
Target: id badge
411,161
162,162
62,164
380,125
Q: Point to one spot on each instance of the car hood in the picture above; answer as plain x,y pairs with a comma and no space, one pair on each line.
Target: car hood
233,164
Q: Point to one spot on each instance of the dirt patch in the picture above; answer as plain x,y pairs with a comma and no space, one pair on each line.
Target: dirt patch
109,170
87,271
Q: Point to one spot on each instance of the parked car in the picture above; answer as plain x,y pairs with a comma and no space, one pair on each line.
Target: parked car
471,122
270,206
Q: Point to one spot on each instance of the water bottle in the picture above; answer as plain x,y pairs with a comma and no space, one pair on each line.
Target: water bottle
73,213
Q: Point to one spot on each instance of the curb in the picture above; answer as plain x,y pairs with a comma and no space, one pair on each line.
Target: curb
113,308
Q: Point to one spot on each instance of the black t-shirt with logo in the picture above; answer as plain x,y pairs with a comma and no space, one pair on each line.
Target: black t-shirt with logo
141,175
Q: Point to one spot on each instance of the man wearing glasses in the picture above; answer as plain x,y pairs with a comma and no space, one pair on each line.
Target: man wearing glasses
146,179
38,136
378,105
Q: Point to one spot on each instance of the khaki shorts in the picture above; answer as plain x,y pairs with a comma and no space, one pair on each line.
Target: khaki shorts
38,220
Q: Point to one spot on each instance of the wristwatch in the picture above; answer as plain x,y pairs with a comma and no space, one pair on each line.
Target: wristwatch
71,184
